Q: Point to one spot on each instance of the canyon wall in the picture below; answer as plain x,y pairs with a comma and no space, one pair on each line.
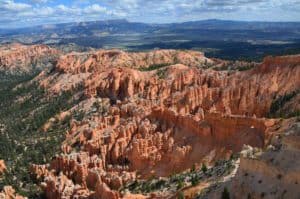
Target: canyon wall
18,58
155,121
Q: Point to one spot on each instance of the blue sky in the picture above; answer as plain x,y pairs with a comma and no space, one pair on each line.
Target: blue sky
20,13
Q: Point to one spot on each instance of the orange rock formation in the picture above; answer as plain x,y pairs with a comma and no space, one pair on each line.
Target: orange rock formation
2,167
158,120
9,193
22,58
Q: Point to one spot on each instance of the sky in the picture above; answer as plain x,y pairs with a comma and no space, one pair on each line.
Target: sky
21,13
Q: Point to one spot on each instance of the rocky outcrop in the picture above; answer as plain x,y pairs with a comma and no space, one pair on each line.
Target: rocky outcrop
9,193
98,60
21,58
2,167
153,121
242,93
273,173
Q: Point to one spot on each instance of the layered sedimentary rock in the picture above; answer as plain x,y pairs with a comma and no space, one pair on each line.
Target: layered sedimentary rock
156,120
22,58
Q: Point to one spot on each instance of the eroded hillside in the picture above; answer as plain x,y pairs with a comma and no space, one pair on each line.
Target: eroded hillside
147,125
17,58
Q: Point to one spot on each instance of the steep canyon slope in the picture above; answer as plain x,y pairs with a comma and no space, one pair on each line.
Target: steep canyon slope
18,58
150,115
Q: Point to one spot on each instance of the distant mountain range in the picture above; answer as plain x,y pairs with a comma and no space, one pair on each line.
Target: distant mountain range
124,26
220,38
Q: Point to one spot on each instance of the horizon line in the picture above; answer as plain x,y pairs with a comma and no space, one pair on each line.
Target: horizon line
149,23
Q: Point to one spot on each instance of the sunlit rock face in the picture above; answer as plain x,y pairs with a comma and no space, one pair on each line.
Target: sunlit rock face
158,113
2,167
9,193
18,58
98,60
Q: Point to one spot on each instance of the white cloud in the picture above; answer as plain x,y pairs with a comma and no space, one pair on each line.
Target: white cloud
62,9
14,13
95,9
10,5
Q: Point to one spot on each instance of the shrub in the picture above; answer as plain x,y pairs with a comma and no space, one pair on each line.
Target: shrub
161,73
194,180
193,169
278,103
180,195
155,67
225,194
204,168
180,184
244,68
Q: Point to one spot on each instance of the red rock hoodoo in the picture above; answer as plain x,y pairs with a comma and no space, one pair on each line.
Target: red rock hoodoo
157,113
23,58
